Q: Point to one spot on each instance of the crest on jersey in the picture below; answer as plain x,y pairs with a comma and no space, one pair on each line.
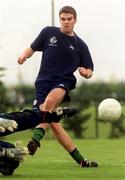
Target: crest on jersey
53,40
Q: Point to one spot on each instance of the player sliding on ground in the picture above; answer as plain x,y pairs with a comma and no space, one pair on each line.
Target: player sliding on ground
29,118
11,155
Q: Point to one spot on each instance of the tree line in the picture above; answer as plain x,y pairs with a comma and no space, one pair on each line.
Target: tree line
86,99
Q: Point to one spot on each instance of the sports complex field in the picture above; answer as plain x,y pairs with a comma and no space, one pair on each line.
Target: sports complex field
51,162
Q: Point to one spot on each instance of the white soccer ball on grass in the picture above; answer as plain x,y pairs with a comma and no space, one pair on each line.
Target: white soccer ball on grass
109,110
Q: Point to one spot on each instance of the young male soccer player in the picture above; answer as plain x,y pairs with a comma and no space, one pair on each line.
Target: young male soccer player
63,52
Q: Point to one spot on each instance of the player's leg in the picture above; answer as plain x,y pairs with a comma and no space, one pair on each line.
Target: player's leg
54,98
65,140
25,120
63,137
38,134
29,118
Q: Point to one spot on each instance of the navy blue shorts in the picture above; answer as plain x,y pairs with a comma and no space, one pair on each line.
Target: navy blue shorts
44,87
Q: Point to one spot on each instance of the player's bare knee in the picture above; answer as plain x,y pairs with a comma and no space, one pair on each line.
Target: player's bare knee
49,104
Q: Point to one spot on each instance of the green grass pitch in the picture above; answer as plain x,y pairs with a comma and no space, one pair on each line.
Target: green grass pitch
52,162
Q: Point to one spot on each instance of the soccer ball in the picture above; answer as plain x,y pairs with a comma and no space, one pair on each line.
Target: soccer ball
109,110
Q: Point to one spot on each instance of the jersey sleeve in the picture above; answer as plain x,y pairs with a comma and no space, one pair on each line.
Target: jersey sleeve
85,57
38,43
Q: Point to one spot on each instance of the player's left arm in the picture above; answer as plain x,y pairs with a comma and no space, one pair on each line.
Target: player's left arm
86,65
85,72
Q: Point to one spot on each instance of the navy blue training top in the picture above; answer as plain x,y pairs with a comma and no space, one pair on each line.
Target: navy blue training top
62,54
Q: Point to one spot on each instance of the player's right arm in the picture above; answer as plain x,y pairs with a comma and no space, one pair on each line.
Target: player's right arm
36,45
25,55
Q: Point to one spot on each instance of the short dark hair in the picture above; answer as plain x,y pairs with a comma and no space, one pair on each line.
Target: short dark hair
68,9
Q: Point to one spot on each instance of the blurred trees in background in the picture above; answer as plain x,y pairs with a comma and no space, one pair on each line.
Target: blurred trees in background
4,102
86,98
15,97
